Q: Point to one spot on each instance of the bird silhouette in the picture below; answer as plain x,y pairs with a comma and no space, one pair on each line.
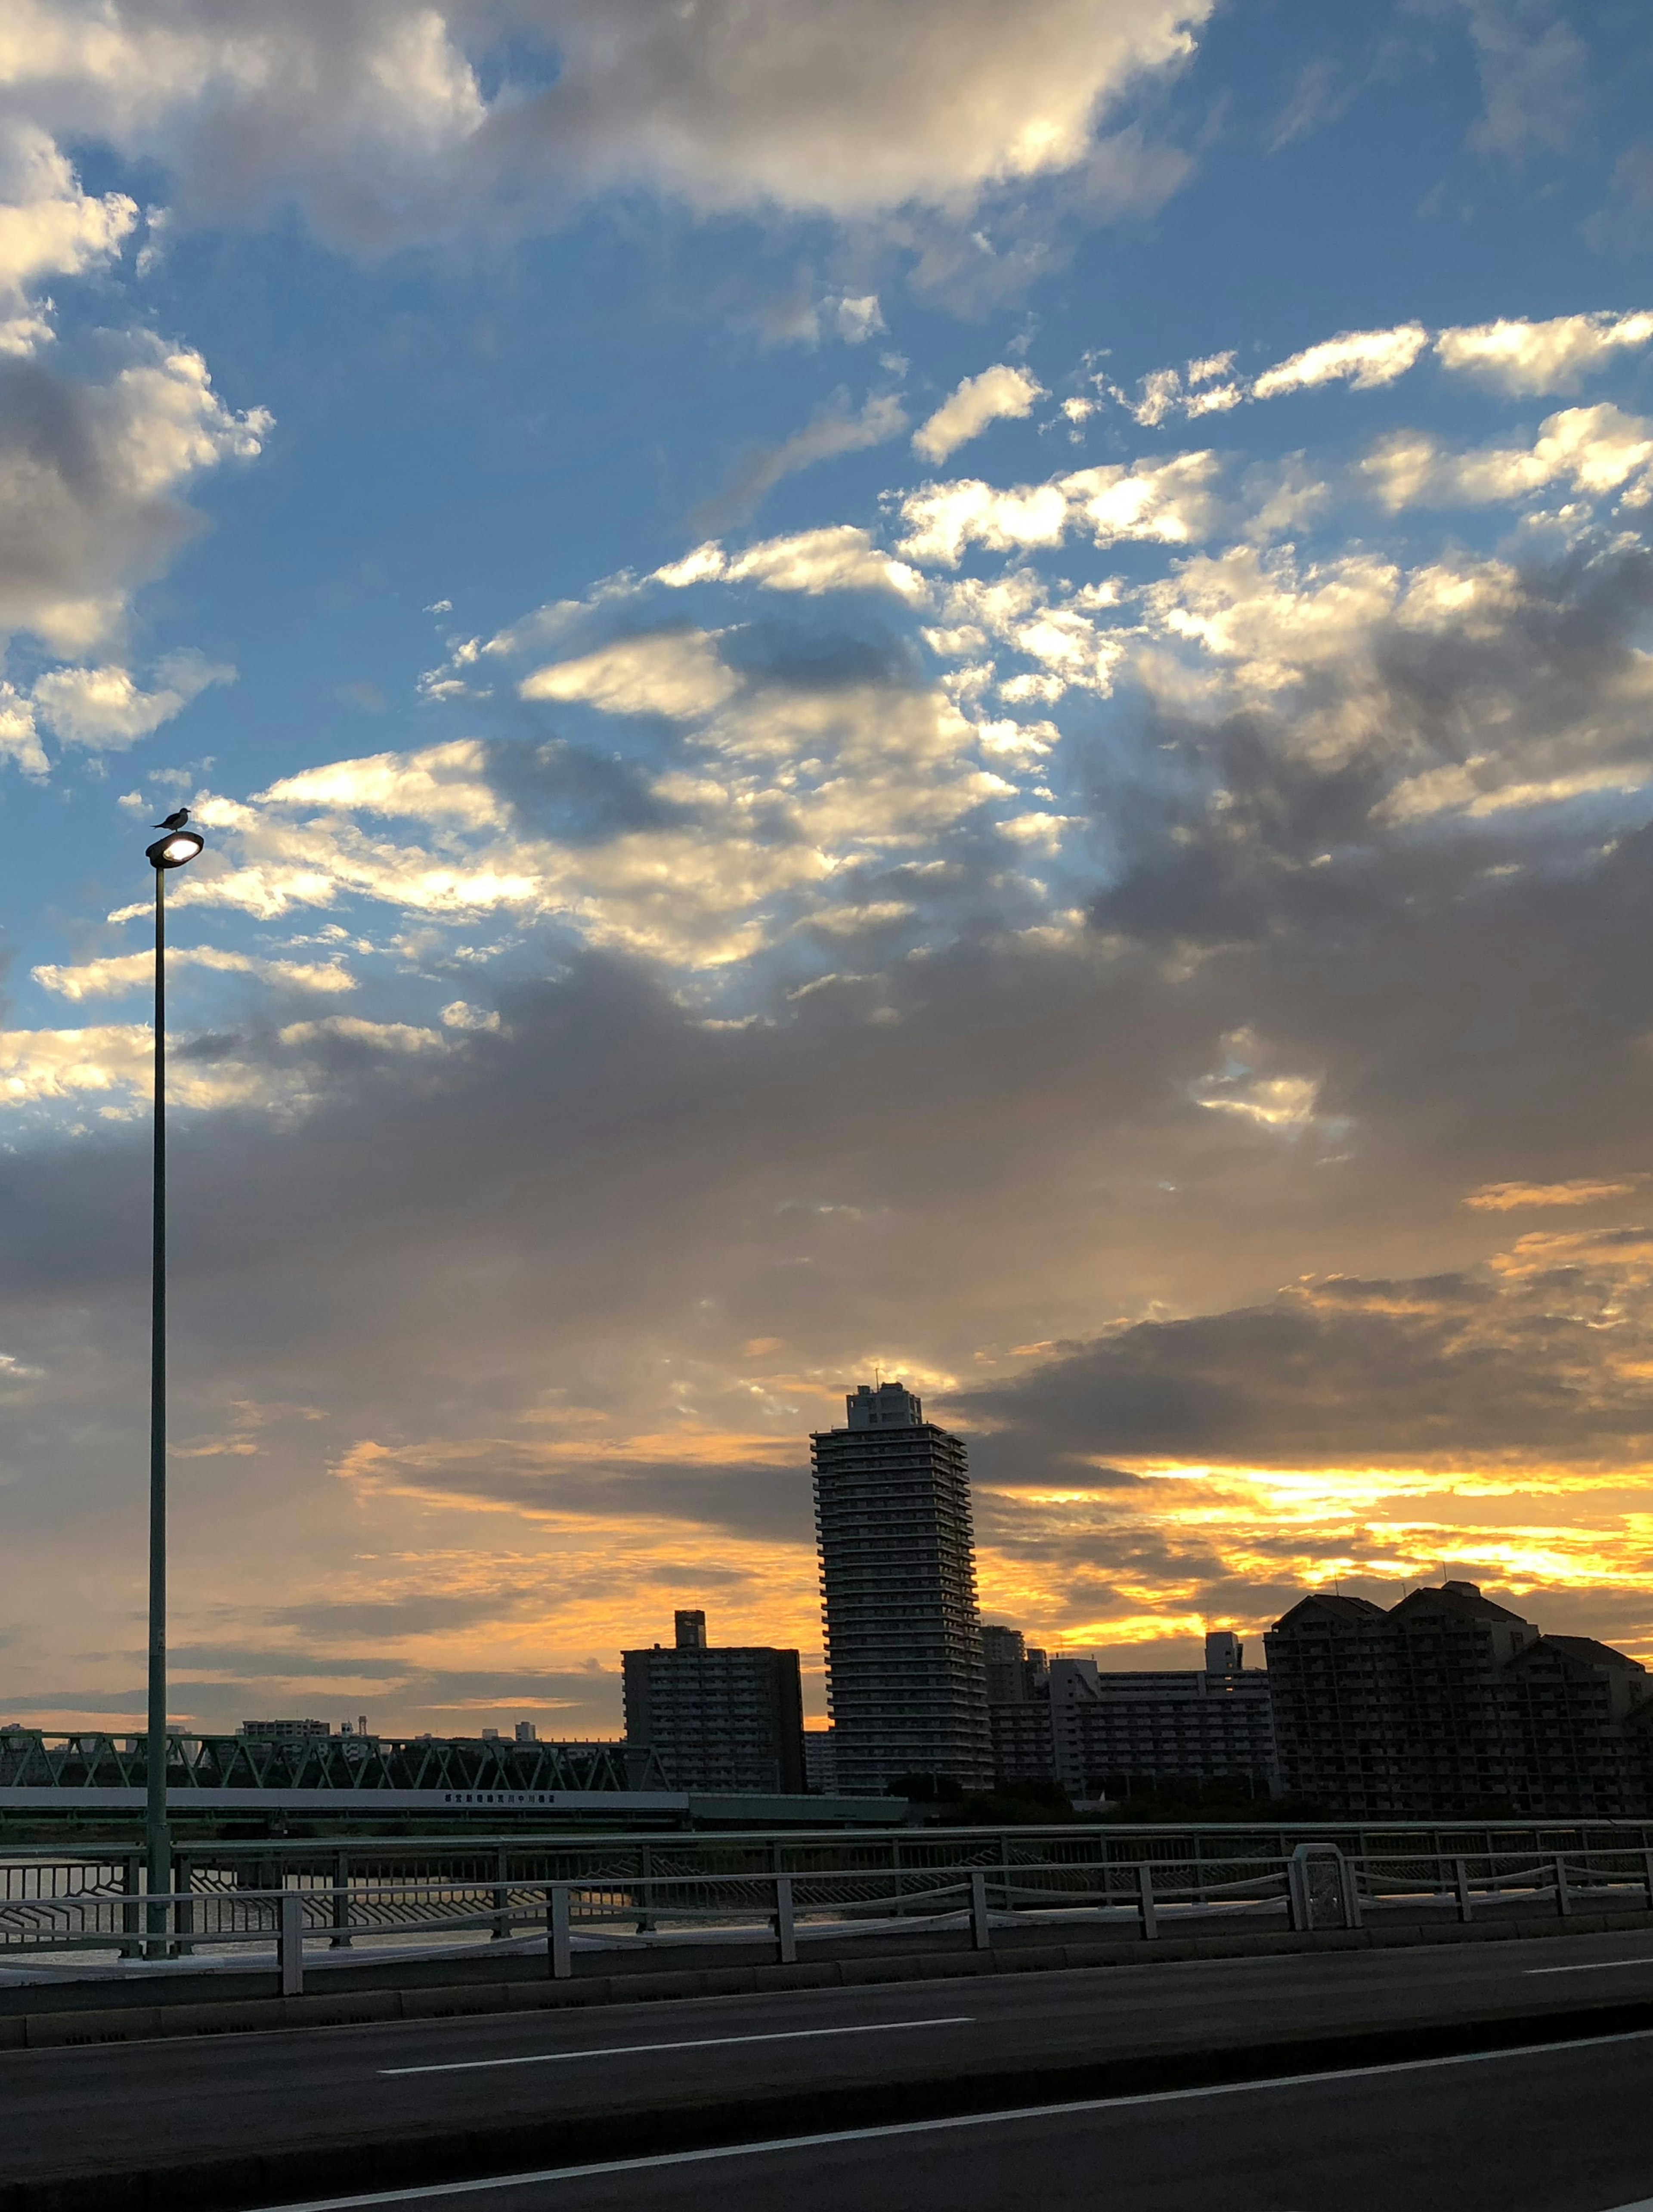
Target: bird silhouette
174,821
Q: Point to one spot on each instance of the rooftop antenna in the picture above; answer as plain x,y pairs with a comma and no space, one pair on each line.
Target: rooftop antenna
877,1377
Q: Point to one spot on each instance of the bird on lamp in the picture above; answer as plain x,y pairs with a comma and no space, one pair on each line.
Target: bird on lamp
174,820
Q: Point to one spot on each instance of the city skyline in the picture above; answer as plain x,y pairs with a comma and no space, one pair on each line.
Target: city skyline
971,705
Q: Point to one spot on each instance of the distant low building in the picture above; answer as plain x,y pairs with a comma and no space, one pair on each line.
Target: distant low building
820,1762
283,1731
1016,1670
1018,1706
1123,1733
299,1731
725,1718
1107,1734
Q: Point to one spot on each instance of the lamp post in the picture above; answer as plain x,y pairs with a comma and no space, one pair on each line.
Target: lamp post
172,851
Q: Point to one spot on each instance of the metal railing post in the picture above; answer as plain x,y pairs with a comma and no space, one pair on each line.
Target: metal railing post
785,1930
1462,1872
132,1882
1563,1901
1349,1877
502,1927
1145,1901
341,1902
981,1930
289,1942
558,1932
1647,1861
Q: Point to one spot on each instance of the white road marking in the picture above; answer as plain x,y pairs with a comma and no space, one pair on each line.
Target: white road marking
547,2175
700,2043
1594,1966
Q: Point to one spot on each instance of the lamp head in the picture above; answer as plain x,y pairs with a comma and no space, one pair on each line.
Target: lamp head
173,851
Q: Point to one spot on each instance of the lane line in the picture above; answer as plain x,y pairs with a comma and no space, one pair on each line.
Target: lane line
699,2043
544,2176
1594,1966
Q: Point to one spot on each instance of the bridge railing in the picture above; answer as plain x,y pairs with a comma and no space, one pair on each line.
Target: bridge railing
1316,1888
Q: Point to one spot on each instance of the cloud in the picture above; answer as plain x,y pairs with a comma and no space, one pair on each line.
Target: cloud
998,394
835,430
1510,1197
91,479
48,227
1203,387
19,739
1284,1103
1512,356
38,1064
1521,358
676,673
1169,502
711,1478
376,121
110,1068
840,557
1479,1369
1322,93
351,1030
1534,72
103,709
441,784
1273,619
858,980
1624,224
1364,359
858,319
752,794
92,466
1591,450
130,971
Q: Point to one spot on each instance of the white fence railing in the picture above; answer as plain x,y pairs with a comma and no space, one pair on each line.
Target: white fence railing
1316,1888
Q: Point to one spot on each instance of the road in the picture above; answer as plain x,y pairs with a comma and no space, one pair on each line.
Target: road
1568,2131
115,2109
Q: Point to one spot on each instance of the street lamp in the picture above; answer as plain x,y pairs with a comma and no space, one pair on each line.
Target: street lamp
172,851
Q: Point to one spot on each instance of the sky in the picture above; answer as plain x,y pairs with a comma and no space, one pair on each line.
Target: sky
886,686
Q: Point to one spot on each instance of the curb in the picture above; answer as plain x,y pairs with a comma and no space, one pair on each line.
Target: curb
61,2029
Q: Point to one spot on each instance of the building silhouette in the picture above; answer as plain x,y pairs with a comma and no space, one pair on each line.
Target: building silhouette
1018,1706
1448,1704
1121,1733
905,1675
1016,1670
726,1718
820,1762
1103,1733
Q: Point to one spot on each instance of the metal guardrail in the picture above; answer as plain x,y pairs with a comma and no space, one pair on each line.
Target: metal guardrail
1316,1886
1212,1852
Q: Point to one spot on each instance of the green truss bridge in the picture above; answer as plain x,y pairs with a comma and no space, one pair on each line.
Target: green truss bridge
91,1775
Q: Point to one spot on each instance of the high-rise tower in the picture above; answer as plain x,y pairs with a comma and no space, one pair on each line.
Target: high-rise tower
903,1641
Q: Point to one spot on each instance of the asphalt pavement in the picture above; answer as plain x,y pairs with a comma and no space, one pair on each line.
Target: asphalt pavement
1542,2130
120,2109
